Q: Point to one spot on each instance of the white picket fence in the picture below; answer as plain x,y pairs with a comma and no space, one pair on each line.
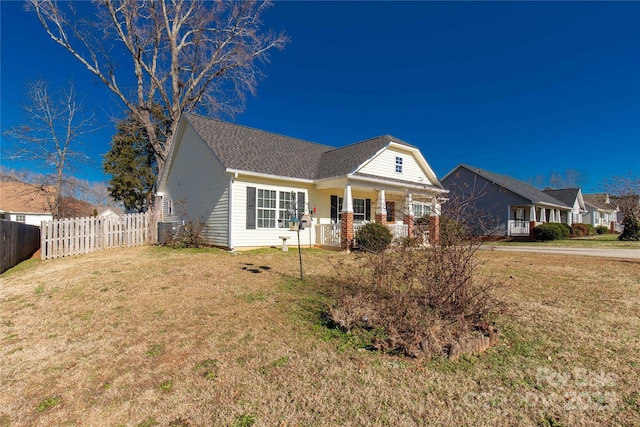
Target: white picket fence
75,236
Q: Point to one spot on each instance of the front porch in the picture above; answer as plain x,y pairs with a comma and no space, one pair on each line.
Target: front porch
523,219
329,235
396,207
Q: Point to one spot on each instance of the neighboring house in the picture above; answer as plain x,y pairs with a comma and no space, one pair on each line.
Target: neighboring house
625,203
24,203
601,211
571,197
108,212
248,186
506,206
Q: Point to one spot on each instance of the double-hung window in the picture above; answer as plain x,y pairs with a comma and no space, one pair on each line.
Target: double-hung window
359,209
421,210
267,204
272,208
285,204
398,164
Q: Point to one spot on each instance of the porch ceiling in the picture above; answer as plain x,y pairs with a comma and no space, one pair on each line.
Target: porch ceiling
368,183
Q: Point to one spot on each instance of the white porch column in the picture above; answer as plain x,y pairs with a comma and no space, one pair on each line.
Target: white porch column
532,213
409,203
543,215
552,215
346,221
381,209
435,206
347,201
408,219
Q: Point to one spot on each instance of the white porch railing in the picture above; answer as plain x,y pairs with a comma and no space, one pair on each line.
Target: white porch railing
328,234
398,231
518,228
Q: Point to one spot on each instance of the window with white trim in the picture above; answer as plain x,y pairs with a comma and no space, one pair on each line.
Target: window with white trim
21,218
420,209
359,209
267,203
398,164
285,204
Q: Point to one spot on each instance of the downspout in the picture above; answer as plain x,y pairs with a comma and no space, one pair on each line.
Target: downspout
230,213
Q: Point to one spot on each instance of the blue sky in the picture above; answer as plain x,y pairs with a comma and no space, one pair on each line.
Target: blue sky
518,88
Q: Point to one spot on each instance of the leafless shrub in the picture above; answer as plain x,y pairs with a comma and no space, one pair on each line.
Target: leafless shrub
423,298
188,235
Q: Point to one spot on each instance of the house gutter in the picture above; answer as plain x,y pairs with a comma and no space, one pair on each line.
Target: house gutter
237,172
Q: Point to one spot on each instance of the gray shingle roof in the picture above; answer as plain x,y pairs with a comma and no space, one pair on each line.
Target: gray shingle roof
248,149
244,148
521,188
599,200
565,195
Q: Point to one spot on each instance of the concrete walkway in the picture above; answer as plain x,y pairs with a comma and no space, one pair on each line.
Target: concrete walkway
599,252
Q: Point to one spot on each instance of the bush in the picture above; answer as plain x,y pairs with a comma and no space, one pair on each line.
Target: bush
602,229
578,230
415,300
188,235
631,231
566,230
548,231
373,237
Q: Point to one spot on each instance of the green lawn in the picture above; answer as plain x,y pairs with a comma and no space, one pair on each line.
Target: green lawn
597,241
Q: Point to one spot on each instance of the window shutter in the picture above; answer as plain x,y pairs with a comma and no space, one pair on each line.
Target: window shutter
301,203
367,209
334,209
251,208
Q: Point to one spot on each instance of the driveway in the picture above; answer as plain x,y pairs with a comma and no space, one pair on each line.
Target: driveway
599,252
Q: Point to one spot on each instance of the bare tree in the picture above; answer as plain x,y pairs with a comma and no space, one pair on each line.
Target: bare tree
185,55
567,179
624,191
55,127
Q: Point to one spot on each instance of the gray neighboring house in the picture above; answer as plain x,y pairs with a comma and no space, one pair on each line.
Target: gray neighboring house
602,212
571,197
250,187
506,206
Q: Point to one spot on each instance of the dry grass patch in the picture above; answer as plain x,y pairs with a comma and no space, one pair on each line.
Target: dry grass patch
153,336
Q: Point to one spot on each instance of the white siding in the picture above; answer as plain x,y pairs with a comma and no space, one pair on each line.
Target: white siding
199,188
244,238
32,219
384,165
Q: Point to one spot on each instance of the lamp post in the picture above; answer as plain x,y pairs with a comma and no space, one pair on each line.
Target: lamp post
297,225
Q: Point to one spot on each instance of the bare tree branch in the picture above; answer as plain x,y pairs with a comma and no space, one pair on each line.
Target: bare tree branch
185,55
55,127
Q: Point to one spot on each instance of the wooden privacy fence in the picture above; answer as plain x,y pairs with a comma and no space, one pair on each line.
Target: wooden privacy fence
17,242
75,236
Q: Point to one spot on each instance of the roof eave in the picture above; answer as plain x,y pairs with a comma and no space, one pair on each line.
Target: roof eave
237,172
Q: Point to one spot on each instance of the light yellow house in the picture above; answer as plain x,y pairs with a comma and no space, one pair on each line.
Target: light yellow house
248,186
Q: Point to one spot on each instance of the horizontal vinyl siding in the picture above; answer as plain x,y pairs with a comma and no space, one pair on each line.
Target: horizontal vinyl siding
263,236
487,201
198,186
384,165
